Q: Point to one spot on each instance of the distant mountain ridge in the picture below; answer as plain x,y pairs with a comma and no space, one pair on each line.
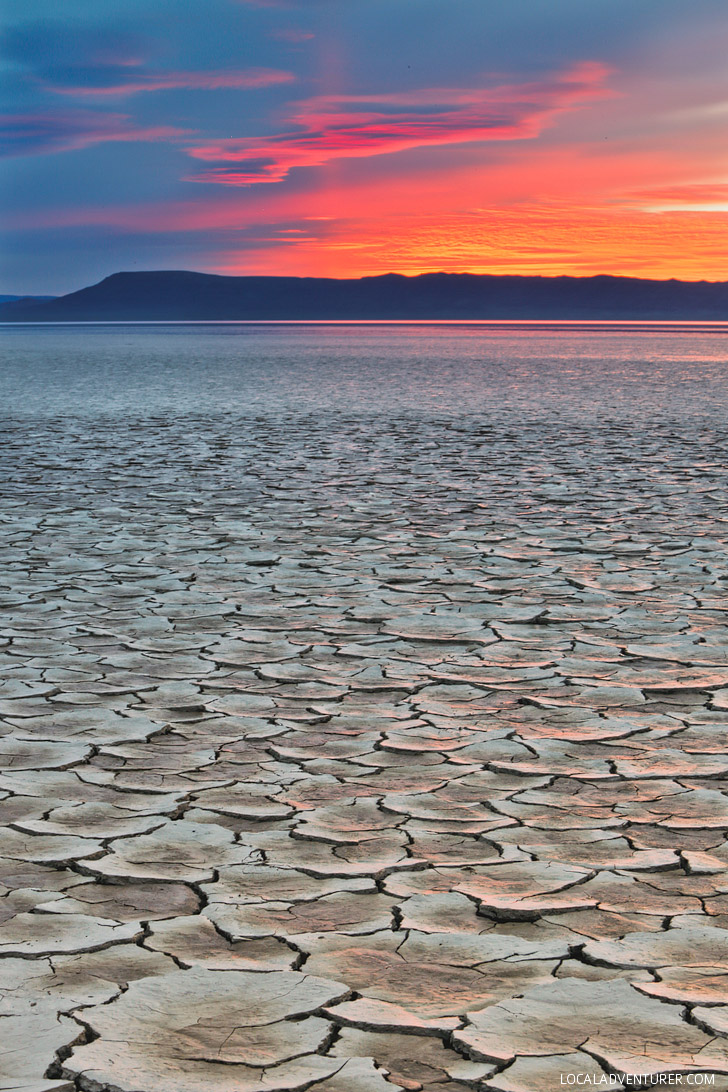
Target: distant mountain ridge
26,299
175,295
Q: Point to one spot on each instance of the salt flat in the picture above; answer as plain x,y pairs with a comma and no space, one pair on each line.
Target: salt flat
368,744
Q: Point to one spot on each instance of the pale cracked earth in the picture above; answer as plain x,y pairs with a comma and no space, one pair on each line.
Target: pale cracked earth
356,755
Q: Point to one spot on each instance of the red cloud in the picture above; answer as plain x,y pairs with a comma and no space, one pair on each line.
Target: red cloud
333,127
166,81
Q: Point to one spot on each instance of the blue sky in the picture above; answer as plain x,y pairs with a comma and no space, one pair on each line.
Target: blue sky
334,137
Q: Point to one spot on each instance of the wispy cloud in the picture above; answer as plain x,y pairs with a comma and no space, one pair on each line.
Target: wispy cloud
268,3
698,196
45,133
334,127
131,80
98,61
292,35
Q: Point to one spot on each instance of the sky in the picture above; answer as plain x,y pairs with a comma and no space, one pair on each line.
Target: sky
347,138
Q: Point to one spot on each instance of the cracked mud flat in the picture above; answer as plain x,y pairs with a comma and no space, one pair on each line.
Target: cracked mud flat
356,741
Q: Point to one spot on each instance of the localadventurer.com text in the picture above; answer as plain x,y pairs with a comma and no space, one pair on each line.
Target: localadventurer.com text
628,1080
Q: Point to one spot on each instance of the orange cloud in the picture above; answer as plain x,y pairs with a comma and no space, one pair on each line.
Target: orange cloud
577,241
642,207
346,126
701,196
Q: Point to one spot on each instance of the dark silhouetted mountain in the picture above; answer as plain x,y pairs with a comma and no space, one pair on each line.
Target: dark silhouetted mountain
177,295
30,300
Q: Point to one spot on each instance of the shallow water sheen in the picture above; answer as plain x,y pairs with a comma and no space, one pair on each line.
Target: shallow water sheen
581,371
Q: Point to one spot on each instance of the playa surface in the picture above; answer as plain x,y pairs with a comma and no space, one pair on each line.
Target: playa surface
364,709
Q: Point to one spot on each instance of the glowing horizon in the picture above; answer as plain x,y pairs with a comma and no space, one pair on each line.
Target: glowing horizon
309,138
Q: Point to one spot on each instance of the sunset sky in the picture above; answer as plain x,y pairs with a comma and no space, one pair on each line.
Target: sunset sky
350,137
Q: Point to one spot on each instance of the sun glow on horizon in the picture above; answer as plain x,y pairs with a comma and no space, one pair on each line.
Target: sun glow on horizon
315,151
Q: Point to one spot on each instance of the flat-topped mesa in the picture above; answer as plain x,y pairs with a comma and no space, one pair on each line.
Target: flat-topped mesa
178,295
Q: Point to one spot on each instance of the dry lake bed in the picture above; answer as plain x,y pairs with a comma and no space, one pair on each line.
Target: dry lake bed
364,708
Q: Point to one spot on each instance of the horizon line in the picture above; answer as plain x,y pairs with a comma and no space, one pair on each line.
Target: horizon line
370,322
19,296
412,276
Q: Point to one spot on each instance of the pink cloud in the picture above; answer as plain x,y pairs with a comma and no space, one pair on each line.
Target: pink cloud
292,34
43,134
136,82
333,127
